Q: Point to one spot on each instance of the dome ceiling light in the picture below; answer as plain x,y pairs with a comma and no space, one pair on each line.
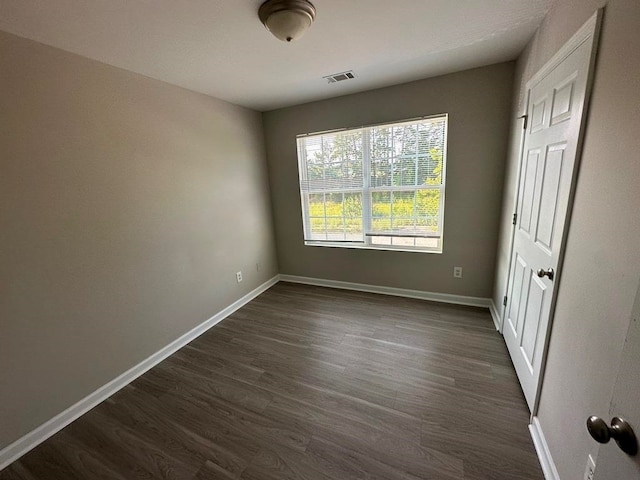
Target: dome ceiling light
287,20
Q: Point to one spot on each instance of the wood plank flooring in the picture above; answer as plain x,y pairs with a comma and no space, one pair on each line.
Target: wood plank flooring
312,383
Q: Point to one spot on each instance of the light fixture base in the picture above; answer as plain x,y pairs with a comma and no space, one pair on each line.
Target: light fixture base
289,29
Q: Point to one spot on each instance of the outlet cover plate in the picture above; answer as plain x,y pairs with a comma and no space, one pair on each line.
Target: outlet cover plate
591,468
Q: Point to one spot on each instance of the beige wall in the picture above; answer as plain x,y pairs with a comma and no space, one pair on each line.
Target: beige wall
602,264
126,207
478,102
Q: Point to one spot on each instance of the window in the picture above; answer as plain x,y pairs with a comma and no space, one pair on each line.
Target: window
375,187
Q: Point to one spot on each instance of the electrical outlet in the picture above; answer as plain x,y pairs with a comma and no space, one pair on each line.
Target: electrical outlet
239,276
258,267
591,468
457,272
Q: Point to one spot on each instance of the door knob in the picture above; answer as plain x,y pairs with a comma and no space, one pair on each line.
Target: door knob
620,431
545,273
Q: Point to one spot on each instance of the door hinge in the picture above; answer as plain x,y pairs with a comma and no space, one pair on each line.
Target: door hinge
525,118
515,219
504,300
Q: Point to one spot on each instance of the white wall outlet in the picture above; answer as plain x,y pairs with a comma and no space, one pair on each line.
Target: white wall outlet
258,267
239,276
457,272
591,468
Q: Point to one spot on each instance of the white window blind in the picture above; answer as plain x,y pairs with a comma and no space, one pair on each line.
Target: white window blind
377,187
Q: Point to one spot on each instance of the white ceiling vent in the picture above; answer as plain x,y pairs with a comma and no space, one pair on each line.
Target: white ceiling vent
339,77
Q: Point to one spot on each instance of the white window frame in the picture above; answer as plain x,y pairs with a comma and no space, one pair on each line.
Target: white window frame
367,190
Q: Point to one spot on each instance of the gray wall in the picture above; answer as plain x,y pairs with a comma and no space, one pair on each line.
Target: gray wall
126,207
478,102
602,265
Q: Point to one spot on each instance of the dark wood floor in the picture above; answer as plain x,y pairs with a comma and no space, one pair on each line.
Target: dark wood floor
312,383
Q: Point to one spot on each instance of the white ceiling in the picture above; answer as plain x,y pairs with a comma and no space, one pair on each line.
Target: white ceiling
219,47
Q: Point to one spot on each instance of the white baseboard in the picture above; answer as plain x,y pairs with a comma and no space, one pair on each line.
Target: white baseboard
398,292
32,439
542,449
495,315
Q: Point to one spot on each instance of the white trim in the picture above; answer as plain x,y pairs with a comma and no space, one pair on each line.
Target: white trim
398,292
589,30
497,321
542,449
362,246
32,439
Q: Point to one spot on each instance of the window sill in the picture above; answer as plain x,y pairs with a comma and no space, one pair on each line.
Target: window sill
389,248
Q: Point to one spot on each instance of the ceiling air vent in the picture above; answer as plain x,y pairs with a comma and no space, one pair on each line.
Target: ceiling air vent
339,77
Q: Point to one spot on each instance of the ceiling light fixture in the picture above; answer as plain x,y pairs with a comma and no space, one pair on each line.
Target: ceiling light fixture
287,20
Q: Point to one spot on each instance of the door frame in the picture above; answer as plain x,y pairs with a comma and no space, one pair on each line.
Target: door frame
620,403
589,32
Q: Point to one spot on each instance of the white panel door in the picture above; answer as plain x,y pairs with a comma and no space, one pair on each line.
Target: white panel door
547,174
613,463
